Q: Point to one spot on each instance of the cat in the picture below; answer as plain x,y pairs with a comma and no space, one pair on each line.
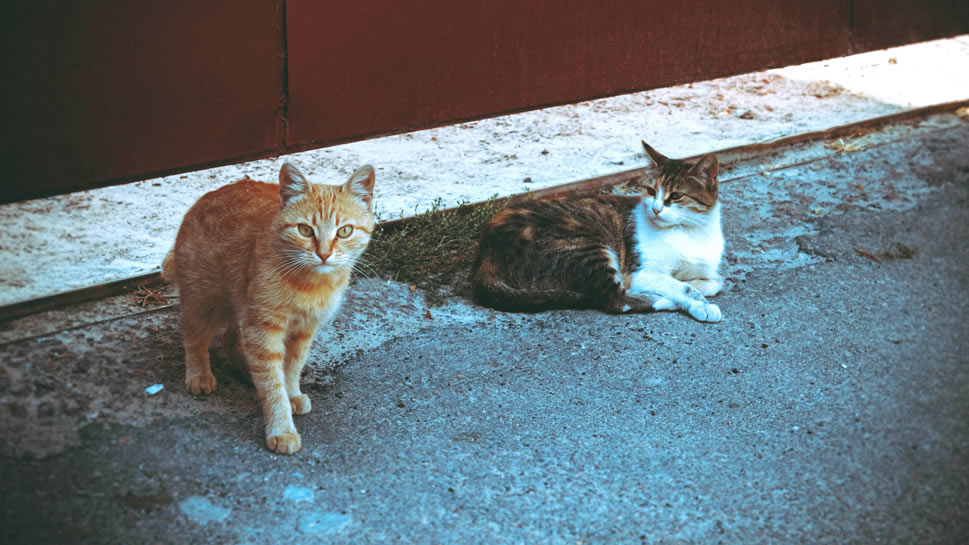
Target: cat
269,263
657,251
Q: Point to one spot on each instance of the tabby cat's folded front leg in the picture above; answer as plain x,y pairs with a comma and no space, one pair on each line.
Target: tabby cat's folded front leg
675,295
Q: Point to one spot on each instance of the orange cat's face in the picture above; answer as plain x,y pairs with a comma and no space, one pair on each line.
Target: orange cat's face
324,228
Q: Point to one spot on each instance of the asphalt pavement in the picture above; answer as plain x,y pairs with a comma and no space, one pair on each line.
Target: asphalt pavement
831,405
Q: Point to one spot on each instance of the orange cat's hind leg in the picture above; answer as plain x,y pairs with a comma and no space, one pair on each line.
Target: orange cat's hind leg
198,371
197,329
232,346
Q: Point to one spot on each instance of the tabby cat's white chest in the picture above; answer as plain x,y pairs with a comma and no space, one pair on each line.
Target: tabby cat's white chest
691,250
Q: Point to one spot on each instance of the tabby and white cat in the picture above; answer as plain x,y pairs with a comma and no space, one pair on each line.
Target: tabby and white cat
658,251
269,263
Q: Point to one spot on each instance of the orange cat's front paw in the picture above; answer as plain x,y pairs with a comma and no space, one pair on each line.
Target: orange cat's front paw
301,404
200,384
285,443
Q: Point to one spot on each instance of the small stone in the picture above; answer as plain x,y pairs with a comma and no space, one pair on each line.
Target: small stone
469,436
154,389
298,493
316,523
202,511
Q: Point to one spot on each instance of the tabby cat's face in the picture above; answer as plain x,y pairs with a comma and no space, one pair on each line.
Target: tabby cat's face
325,228
683,193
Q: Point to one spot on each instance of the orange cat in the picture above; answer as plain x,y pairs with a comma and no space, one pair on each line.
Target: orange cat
269,263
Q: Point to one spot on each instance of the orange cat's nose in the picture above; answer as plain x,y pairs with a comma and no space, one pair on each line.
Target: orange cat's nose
324,257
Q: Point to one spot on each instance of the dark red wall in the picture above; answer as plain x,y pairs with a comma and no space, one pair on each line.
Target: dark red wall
885,23
371,66
99,92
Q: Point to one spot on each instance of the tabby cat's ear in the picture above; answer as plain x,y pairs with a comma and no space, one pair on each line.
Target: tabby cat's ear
360,185
292,183
657,157
707,168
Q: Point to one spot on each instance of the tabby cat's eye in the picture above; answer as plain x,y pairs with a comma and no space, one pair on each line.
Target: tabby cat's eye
651,192
305,230
675,196
344,231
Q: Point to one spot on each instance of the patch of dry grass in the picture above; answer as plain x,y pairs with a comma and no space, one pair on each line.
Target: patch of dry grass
146,295
432,251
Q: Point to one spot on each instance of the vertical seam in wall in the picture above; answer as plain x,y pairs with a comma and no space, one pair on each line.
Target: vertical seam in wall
284,106
853,46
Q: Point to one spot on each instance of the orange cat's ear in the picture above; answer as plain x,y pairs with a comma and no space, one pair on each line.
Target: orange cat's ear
656,156
707,167
360,185
292,183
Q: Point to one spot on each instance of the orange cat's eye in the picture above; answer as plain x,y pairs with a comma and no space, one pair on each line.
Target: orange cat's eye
305,230
344,231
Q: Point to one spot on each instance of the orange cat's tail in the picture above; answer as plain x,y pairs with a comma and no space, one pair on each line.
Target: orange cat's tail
168,266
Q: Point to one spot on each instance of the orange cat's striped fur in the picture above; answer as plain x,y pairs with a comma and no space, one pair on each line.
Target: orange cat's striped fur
269,263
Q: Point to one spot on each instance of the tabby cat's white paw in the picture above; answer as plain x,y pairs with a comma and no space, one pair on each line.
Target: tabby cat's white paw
705,312
707,286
